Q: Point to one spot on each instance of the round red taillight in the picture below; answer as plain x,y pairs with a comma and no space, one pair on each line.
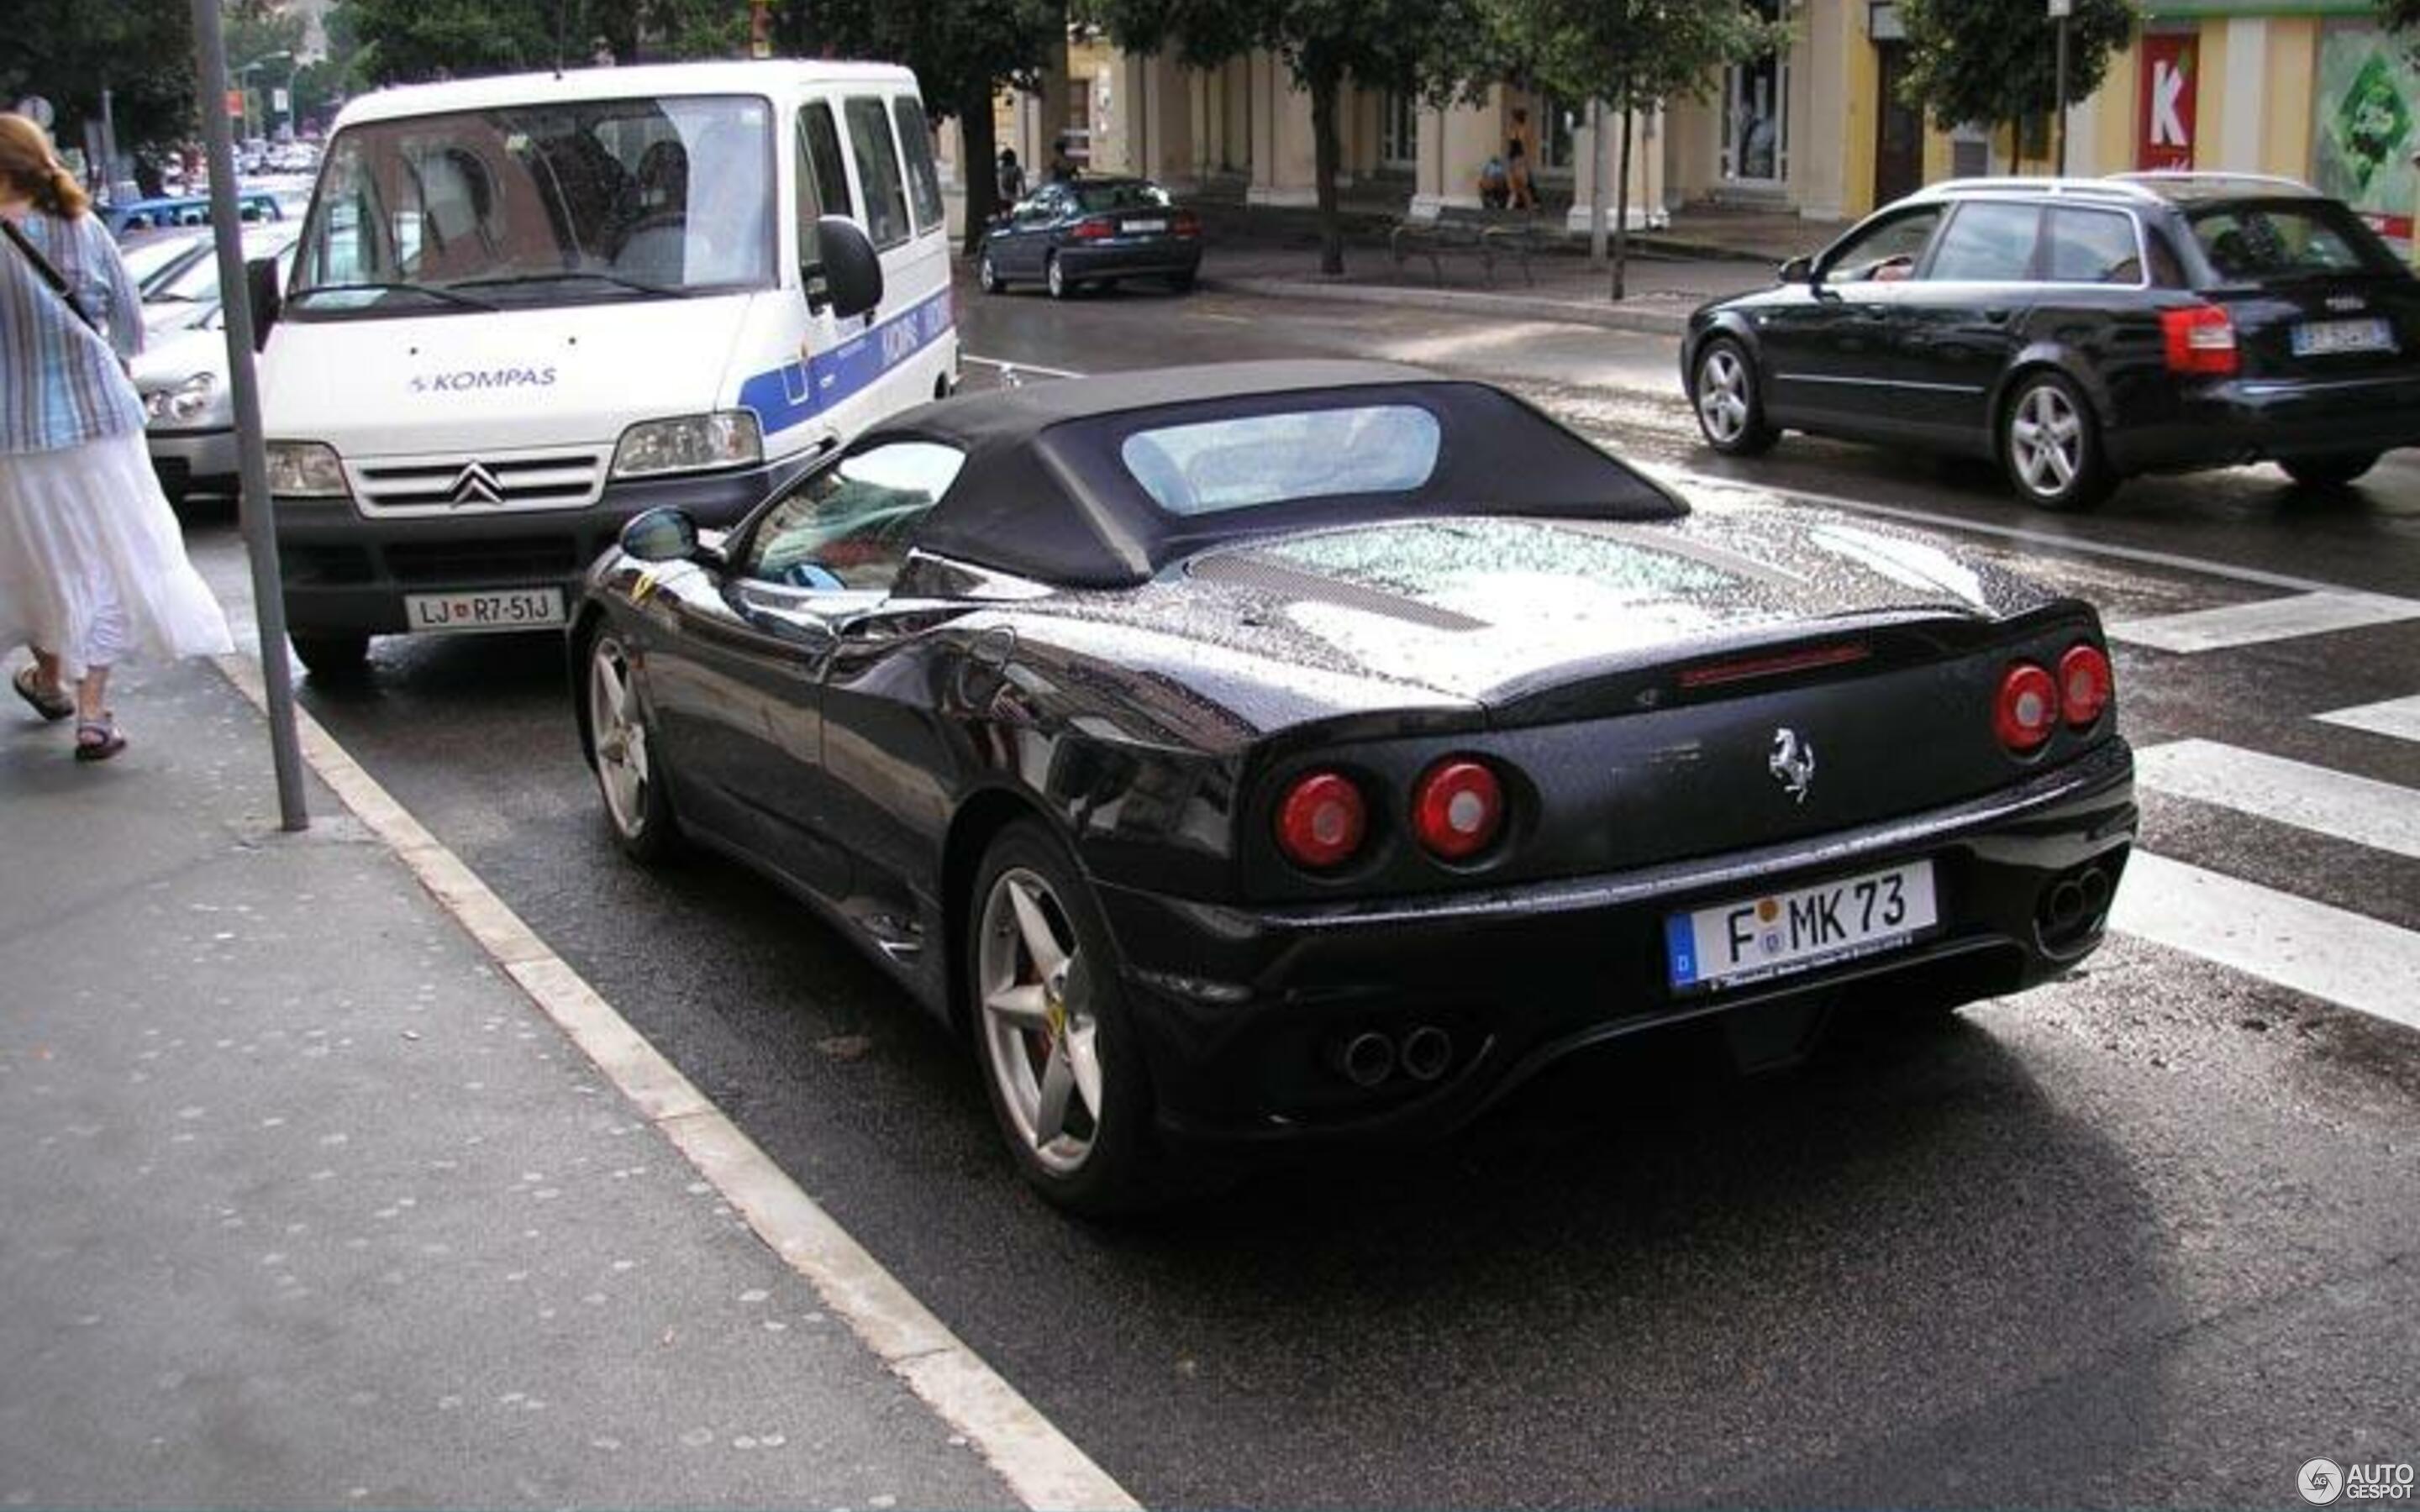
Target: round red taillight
1457,809
2027,709
2085,684
1321,821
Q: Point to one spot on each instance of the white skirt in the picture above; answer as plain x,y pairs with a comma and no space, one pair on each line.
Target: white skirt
92,560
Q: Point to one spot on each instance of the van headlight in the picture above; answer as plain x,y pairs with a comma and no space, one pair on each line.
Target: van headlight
691,443
185,403
305,470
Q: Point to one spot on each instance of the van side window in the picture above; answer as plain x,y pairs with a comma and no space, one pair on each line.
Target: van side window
823,182
878,171
923,182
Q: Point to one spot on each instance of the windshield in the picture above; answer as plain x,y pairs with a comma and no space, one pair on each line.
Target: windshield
555,204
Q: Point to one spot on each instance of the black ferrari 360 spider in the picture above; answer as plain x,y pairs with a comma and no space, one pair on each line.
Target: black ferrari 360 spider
1248,754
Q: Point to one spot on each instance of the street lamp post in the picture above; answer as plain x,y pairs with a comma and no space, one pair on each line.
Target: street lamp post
242,81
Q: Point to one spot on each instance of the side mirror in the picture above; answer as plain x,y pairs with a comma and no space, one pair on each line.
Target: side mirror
850,277
1798,270
664,533
260,282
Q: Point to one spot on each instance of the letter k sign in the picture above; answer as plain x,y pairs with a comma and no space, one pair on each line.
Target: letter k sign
2167,86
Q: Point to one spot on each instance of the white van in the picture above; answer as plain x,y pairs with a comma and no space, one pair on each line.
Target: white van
525,308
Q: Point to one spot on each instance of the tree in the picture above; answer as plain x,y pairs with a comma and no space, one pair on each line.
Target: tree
408,41
1996,61
66,50
964,51
1436,51
1637,53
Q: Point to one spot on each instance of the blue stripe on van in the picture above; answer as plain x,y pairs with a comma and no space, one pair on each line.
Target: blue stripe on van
796,392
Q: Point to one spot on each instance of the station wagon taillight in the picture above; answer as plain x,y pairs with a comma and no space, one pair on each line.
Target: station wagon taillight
2026,709
2084,685
2200,339
1094,228
1321,821
1458,809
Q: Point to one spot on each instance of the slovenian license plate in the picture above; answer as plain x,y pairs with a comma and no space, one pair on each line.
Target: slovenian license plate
1749,939
2324,338
507,609
1138,227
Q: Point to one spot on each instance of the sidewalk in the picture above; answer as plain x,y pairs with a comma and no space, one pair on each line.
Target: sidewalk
309,1204
1705,255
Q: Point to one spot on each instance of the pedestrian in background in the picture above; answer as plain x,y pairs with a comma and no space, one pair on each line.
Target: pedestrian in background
1011,177
1064,166
92,562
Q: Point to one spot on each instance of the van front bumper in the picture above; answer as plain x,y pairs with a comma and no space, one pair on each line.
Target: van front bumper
348,573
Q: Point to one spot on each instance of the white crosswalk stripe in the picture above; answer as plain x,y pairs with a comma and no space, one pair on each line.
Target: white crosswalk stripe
2346,958
2266,618
2336,804
2400,717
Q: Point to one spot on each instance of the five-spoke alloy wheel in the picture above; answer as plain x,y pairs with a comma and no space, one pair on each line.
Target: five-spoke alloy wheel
1730,410
987,275
2051,447
621,749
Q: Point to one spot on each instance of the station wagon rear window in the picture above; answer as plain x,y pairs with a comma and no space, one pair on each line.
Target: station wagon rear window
2250,242
1217,465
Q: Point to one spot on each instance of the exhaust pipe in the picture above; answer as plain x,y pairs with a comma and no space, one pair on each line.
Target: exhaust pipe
2094,885
1366,1059
2065,905
1427,1052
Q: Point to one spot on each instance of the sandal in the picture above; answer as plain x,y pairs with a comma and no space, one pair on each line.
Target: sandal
98,740
54,705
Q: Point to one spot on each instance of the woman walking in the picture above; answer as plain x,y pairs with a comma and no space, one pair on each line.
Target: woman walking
92,562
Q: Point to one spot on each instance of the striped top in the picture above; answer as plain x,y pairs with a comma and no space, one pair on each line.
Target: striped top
60,385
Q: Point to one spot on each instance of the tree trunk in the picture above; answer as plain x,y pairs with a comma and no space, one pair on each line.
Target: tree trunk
978,161
1621,204
1326,152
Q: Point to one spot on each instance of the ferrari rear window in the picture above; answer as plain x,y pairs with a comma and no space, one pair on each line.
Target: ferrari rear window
1216,465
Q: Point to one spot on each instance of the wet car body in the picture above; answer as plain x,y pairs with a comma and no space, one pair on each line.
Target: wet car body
2181,320
1074,232
1684,713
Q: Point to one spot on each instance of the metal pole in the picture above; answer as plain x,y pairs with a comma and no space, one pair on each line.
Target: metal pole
1596,183
259,525
2063,96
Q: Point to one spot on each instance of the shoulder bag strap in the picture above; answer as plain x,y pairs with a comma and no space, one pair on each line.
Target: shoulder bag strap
51,275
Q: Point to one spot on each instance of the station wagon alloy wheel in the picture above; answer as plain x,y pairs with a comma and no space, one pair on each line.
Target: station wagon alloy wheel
1728,410
2052,453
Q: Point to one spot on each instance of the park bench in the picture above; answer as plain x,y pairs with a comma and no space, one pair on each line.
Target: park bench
1489,235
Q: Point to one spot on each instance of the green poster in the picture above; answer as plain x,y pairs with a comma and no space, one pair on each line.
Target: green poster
2366,124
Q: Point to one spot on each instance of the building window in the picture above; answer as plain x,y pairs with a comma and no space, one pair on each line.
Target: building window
1557,121
1399,129
1756,114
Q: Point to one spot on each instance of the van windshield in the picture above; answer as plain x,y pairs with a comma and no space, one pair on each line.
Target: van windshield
541,204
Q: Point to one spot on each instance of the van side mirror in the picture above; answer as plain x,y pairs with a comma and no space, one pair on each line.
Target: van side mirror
663,533
849,276
260,282
1798,270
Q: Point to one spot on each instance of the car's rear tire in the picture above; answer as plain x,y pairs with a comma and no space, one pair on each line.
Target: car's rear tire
1047,1007
332,656
988,276
621,752
1730,404
2050,445
1055,279
2328,472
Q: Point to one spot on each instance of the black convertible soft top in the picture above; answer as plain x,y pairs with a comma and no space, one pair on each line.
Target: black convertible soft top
1045,495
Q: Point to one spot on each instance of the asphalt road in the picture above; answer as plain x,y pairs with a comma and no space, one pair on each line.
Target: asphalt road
2144,1236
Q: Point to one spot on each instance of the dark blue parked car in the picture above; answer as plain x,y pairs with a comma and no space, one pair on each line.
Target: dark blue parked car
1092,231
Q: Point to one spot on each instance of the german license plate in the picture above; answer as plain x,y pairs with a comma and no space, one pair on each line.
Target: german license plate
1138,227
506,608
2325,338
1749,939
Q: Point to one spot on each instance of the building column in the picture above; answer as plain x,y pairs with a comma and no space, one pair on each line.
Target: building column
1832,114
2246,90
1646,203
1285,154
1454,143
1153,101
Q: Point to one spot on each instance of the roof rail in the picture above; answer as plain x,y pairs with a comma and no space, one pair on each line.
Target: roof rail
2093,188
2190,176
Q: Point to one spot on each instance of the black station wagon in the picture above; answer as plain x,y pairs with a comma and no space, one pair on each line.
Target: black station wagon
2080,332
